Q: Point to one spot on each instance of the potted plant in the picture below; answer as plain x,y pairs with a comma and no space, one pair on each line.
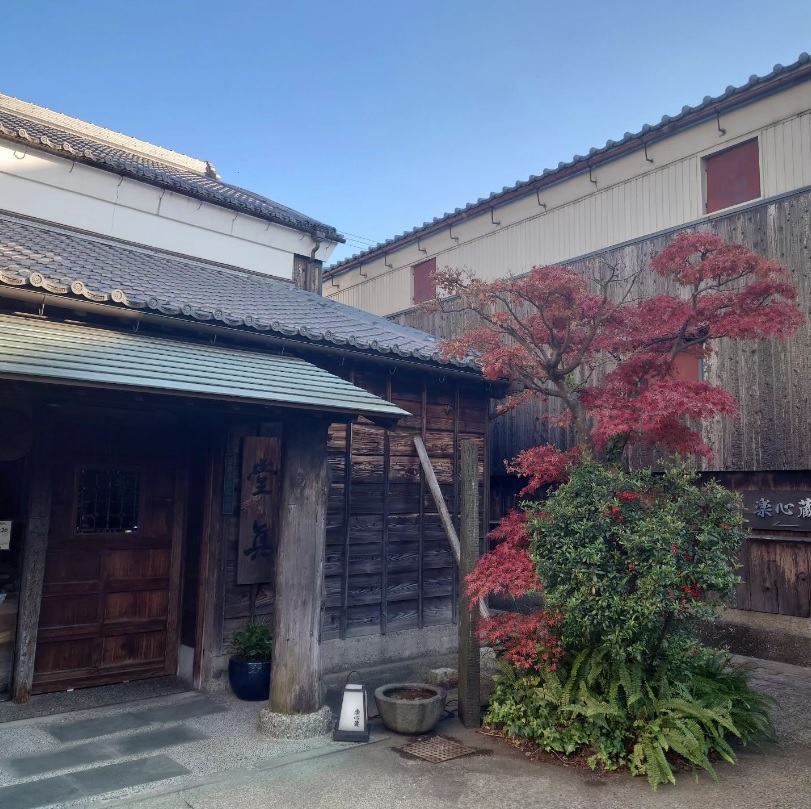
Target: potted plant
249,666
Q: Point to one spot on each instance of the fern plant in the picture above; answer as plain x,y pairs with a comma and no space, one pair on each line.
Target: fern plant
623,715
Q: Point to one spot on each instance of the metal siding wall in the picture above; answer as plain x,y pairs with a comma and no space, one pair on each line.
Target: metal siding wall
379,293
646,204
785,154
665,197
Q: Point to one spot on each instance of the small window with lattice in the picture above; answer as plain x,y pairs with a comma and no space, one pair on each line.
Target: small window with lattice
107,501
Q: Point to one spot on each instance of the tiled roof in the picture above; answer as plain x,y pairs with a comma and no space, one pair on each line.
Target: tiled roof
780,75
174,175
64,261
33,348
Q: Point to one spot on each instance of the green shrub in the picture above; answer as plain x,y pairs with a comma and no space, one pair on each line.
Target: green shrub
632,562
254,642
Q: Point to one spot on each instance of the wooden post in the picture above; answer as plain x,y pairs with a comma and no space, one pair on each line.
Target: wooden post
295,682
33,568
208,631
444,514
469,677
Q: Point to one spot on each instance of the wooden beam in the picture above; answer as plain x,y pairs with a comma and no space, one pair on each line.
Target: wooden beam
209,605
469,662
295,683
444,515
33,567
179,515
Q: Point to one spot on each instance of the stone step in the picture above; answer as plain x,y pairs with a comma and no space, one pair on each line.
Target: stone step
81,729
96,752
89,783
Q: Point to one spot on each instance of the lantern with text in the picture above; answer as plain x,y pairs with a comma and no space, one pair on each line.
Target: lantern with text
353,723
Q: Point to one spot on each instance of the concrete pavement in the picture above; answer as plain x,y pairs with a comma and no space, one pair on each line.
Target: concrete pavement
377,775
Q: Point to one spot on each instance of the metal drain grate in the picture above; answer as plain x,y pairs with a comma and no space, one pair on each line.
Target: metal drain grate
437,749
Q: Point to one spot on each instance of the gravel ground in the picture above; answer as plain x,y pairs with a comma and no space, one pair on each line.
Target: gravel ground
234,743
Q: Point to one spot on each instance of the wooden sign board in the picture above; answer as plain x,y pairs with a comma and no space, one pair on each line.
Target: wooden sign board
778,509
258,510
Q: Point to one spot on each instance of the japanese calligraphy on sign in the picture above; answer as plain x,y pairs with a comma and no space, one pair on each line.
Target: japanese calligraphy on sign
778,509
258,510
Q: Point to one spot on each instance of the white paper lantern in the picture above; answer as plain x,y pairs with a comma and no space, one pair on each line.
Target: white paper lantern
353,723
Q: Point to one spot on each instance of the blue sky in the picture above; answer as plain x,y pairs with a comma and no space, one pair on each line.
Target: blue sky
375,116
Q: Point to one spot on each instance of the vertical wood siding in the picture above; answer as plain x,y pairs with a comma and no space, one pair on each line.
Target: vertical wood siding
771,380
775,565
389,565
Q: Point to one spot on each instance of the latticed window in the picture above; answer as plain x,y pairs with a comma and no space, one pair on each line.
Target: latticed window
107,501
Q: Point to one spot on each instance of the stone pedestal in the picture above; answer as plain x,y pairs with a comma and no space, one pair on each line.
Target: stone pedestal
296,725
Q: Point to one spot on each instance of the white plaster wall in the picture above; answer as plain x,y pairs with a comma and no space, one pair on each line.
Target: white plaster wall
632,198
56,189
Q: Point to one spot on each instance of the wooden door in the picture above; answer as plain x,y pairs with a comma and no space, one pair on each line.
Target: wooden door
110,597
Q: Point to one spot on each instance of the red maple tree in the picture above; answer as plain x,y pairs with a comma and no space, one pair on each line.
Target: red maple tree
607,351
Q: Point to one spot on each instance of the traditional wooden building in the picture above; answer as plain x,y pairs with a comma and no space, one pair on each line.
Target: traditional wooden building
187,445
737,164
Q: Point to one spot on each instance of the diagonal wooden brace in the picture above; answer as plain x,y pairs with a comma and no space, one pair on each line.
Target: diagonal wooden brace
444,516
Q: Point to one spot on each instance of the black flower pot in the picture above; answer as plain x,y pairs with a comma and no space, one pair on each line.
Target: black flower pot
250,679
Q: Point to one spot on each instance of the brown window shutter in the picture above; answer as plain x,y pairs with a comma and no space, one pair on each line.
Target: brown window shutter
733,176
689,365
424,280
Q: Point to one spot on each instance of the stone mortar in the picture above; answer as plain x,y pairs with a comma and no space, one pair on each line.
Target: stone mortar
410,716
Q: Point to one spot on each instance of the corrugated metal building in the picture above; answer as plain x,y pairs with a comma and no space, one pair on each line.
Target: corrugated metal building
645,183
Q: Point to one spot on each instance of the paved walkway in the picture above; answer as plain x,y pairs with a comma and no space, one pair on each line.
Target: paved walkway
378,776
195,752
83,757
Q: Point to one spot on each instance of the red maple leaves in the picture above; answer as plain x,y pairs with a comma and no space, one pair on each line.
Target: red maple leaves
507,569
605,348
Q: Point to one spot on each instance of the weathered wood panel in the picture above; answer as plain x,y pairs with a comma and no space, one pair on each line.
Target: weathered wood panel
258,509
775,564
388,565
769,379
242,603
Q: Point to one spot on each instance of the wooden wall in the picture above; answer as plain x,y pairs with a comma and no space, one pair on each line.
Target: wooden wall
241,603
765,446
389,565
771,380
775,565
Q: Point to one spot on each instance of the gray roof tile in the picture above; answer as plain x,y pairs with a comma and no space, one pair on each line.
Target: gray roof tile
64,261
83,148
795,71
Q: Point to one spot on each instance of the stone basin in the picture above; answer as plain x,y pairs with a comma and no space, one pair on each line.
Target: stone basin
410,708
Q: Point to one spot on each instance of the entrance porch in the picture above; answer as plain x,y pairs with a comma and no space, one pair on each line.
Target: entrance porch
131,543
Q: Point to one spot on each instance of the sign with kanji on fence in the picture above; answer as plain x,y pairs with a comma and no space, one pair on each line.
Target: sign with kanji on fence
778,509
